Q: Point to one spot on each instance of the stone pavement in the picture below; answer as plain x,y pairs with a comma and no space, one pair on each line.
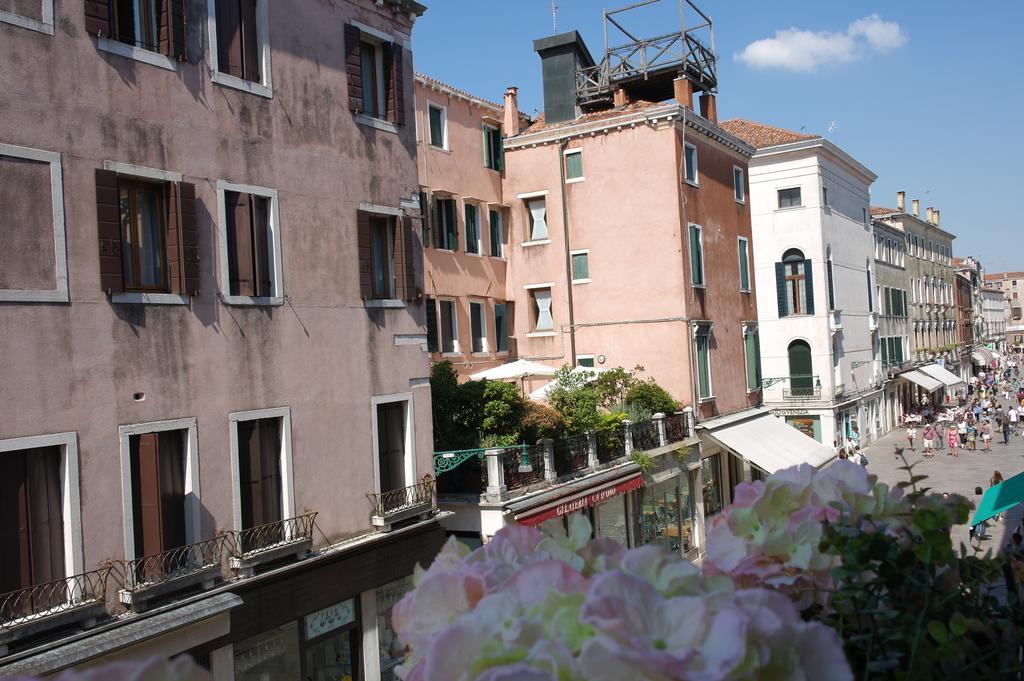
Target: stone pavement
956,475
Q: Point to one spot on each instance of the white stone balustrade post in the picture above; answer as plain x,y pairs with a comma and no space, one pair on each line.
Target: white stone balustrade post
550,474
496,489
592,460
627,428
659,420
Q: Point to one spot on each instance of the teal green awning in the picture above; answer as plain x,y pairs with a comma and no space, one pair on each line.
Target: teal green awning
999,498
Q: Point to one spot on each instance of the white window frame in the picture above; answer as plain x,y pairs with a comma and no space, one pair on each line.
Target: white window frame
479,227
489,128
134,52
42,25
565,160
590,357
695,180
71,500
287,480
534,240
742,241
703,270
265,88
705,330
58,294
485,344
410,436
193,527
456,347
739,191
274,218
508,330
530,288
496,208
824,197
778,197
444,126
582,251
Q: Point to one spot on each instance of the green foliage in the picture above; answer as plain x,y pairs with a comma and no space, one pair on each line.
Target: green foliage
541,421
576,398
642,459
632,411
613,386
680,454
915,608
473,414
651,397
503,409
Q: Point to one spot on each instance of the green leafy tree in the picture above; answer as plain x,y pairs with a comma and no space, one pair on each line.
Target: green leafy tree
651,397
613,386
576,398
503,411
541,421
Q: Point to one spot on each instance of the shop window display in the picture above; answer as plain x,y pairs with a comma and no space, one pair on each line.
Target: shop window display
667,516
613,521
392,652
711,475
270,655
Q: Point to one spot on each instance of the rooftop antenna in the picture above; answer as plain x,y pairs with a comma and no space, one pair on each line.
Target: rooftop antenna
554,17
833,128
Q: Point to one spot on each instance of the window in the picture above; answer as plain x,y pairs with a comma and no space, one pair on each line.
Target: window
696,255
744,255
801,378
502,326
32,521
478,327
149,241
494,154
542,319
33,267
137,22
871,298
431,320
497,228
794,283
752,358
690,161
711,477
238,44
580,266
272,654
831,282
35,16
739,189
260,453
473,238
438,126
864,215
573,165
375,73
449,328
157,463
824,196
152,31
387,267
538,219
393,431
703,347
585,361
790,198
250,242
446,227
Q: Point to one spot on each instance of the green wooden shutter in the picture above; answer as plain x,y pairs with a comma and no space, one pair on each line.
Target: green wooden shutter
744,246
696,257
703,366
780,288
749,341
809,272
488,161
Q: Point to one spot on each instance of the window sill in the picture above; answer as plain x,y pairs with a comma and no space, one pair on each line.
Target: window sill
481,354
150,298
374,122
580,281
389,303
34,296
692,183
475,255
26,22
536,242
496,257
439,249
574,180
443,150
700,286
741,202
451,354
501,353
252,301
702,400
781,208
136,53
241,84
541,334
745,290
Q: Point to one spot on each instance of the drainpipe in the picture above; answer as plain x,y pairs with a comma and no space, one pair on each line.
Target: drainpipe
568,259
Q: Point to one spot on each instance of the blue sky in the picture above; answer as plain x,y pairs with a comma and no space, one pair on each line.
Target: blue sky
929,95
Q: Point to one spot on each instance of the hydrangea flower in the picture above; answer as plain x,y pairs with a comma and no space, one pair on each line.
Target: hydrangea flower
156,669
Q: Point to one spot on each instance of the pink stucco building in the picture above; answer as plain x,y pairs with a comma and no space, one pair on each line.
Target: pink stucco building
211,328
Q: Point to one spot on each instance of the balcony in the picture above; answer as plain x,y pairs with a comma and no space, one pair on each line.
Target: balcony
873,321
271,542
78,600
802,387
839,390
396,505
152,577
835,320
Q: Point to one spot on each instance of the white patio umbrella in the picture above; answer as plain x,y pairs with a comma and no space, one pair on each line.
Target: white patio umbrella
518,369
541,393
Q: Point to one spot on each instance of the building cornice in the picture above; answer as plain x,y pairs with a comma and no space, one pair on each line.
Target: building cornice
819,143
886,217
437,86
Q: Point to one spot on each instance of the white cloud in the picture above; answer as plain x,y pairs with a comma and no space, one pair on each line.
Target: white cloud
801,50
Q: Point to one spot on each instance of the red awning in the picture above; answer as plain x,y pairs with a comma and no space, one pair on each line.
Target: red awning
570,504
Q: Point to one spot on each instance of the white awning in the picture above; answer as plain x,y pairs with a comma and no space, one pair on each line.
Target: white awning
520,368
924,380
941,374
981,356
766,441
590,373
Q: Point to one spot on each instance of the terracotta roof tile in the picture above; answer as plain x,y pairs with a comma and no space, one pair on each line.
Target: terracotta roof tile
441,84
998,276
759,135
882,210
638,105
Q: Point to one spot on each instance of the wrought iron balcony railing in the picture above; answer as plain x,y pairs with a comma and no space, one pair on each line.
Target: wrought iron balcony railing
152,576
611,444
645,436
396,505
52,604
679,426
265,543
514,460
802,387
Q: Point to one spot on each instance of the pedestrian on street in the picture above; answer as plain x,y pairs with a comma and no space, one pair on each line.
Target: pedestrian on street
952,439
929,441
986,435
961,431
1006,431
972,437
911,434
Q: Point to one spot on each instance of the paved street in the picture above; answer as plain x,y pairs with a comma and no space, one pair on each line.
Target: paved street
960,475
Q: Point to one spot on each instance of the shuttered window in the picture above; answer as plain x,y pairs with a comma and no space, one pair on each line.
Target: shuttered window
238,40
739,189
494,154
31,523
703,347
382,250
473,240
431,320
502,326
438,126
148,240
155,25
580,266
690,161
478,326
497,226
744,260
250,244
538,219
376,76
449,327
794,284
752,357
542,317
387,257
446,227
158,492
831,285
574,165
259,471
696,255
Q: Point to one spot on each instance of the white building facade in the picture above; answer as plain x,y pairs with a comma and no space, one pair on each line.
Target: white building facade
995,318
818,324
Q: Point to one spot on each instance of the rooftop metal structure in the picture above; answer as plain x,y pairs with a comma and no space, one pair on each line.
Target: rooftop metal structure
646,66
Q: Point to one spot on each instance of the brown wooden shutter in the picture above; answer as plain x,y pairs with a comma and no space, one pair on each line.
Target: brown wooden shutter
146,492
250,478
389,81
435,212
172,28
45,514
396,88
261,245
270,468
97,18
15,566
108,223
354,67
174,260
510,324
239,234
365,254
188,232
229,38
171,454
406,273
250,43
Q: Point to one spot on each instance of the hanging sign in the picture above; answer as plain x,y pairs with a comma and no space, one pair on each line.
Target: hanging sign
330,618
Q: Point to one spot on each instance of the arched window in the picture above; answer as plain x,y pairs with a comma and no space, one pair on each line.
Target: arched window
801,380
794,284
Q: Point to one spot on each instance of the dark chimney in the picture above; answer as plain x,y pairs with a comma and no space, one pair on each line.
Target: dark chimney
560,56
